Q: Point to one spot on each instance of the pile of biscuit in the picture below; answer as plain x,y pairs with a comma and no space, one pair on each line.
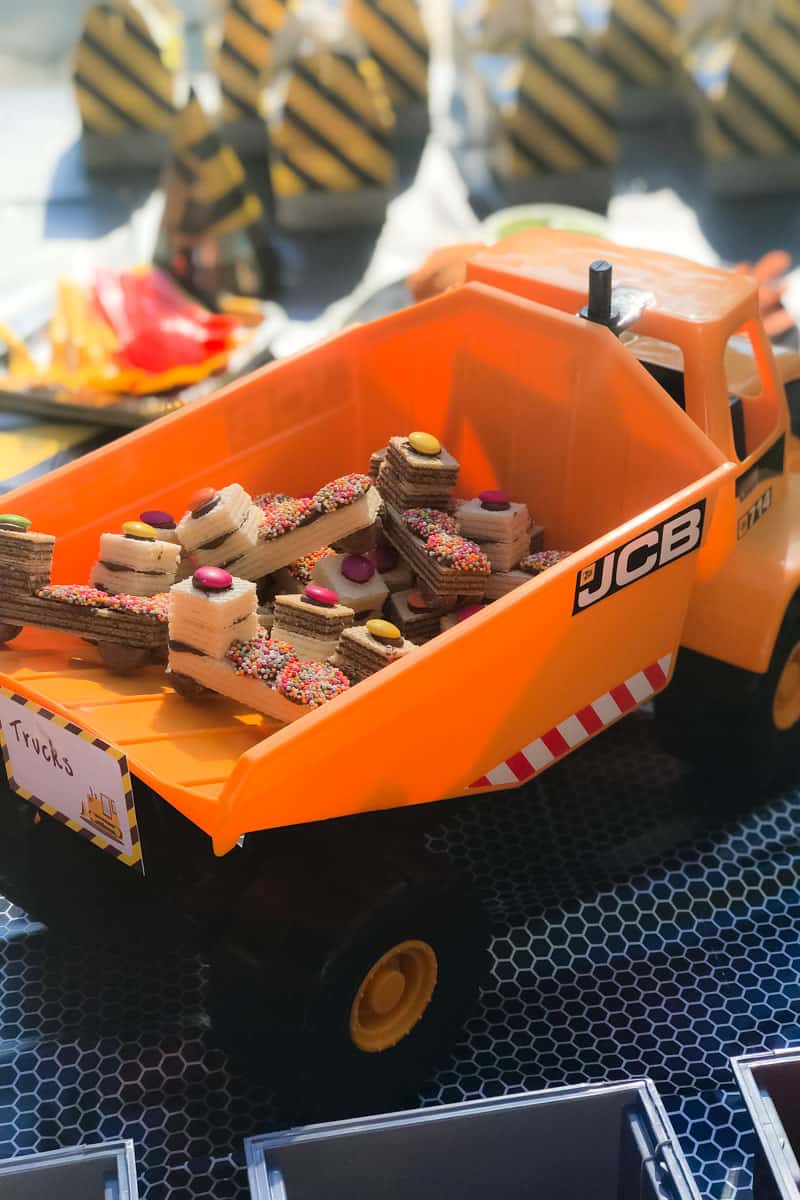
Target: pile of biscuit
351,578
283,602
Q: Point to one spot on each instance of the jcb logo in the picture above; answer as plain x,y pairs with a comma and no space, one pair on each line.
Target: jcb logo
648,552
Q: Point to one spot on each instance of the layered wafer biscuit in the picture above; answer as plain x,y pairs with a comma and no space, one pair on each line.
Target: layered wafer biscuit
211,610
135,561
134,621
499,526
365,649
220,525
355,579
447,564
375,461
312,622
26,556
418,618
292,529
417,472
297,688
500,583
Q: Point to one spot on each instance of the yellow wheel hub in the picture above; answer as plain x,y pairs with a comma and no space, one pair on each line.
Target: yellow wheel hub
786,704
393,995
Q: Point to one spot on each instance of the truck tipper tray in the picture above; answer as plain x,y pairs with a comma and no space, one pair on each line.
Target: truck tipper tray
548,406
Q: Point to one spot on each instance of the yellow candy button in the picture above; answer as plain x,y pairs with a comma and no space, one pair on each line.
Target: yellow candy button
384,631
138,529
424,443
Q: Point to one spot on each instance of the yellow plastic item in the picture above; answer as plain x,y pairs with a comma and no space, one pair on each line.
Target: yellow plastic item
393,996
551,408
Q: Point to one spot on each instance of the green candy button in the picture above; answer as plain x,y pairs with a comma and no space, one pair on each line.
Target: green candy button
14,522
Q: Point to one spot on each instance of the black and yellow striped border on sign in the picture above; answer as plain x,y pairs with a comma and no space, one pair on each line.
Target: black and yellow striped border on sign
216,198
641,39
133,859
245,53
331,133
754,102
562,118
124,77
398,41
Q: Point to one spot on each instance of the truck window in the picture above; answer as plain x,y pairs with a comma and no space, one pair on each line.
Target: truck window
662,360
752,399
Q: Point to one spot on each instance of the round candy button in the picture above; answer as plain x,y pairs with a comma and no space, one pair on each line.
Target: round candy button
212,579
385,558
139,531
202,501
384,632
424,443
157,518
468,610
494,501
321,596
357,568
417,602
14,523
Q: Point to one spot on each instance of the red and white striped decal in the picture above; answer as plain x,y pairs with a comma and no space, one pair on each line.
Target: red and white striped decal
568,734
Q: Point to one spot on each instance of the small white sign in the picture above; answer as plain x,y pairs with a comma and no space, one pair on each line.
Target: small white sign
70,774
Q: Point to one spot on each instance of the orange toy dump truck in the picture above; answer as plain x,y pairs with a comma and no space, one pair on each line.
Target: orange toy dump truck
652,440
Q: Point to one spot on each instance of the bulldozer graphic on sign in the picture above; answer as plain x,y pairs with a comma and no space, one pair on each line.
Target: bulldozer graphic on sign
99,810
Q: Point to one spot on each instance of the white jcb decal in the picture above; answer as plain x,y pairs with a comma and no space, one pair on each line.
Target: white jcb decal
648,552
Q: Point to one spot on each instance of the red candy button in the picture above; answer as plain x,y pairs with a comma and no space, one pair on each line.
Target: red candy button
201,498
417,602
357,568
469,610
212,579
494,500
385,558
321,596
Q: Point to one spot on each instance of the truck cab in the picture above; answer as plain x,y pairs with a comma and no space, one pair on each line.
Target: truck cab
698,333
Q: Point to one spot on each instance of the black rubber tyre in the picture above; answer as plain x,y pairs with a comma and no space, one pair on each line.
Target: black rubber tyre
309,1055
122,660
187,687
721,719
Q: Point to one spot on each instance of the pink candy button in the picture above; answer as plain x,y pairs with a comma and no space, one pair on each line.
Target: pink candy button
494,500
321,596
212,579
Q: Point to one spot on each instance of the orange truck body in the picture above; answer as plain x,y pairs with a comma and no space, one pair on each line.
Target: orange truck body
736,614
529,397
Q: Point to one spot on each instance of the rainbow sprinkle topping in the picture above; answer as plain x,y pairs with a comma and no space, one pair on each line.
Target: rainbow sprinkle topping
456,552
282,516
424,521
301,568
311,683
89,597
262,657
534,564
341,492
268,498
